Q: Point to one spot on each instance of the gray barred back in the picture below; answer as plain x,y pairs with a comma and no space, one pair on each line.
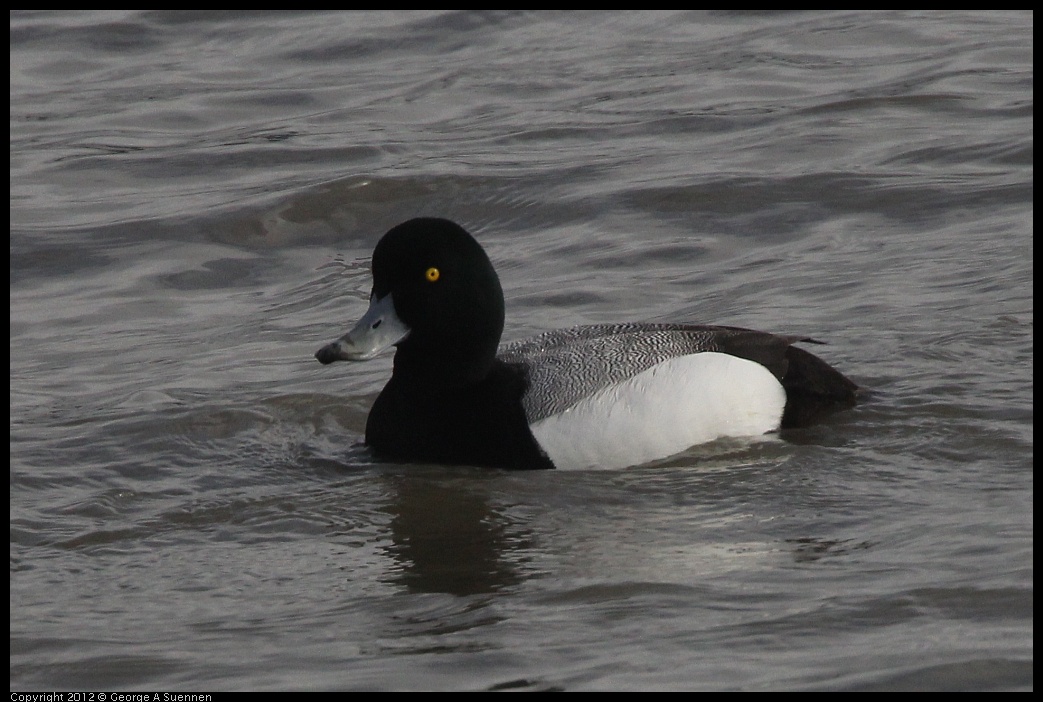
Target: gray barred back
567,365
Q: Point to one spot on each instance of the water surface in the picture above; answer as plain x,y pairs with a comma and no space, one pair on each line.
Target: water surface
194,198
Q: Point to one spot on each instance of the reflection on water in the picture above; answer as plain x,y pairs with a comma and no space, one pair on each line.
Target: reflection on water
446,538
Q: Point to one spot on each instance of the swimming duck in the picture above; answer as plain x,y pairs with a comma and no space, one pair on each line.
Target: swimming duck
606,395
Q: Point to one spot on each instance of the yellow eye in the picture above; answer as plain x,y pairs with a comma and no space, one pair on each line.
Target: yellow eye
432,274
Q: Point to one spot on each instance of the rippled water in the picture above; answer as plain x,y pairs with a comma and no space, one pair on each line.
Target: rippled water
194,197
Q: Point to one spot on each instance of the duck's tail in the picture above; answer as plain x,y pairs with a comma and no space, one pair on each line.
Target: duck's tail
814,389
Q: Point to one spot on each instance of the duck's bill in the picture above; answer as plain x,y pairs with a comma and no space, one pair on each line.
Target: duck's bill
379,329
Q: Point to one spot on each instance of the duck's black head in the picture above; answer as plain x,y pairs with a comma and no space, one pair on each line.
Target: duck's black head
437,298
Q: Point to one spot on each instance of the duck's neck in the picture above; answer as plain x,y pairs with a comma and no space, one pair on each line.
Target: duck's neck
461,364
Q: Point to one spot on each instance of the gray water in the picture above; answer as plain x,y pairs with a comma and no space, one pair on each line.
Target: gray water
194,198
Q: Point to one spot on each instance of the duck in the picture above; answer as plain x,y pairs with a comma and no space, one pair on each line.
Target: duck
595,396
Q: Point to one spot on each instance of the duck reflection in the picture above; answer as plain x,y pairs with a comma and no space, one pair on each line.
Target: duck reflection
447,538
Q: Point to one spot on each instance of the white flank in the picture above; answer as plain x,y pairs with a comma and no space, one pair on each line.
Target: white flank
673,406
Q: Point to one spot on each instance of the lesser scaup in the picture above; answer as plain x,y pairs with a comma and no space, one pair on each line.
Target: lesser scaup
595,396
